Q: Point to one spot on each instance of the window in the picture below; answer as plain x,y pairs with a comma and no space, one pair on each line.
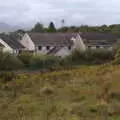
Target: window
97,46
39,48
69,47
48,47
89,47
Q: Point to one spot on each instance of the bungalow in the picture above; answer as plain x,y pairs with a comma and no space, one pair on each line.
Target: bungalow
60,44
8,44
94,40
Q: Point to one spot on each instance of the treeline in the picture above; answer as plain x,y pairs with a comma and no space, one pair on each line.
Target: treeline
38,27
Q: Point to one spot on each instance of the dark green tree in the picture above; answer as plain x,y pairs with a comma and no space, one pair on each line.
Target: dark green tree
38,28
51,27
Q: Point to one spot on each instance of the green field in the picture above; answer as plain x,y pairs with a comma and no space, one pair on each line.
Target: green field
84,93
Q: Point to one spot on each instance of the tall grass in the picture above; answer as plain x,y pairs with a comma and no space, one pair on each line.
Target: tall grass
88,93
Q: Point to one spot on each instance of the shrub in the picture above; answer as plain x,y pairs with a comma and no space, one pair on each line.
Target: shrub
87,57
116,53
117,57
115,48
101,56
76,57
9,62
25,57
115,95
45,61
51,61
114,108
7,76
36,62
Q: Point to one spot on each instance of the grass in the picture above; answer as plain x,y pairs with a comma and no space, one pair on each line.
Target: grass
83,93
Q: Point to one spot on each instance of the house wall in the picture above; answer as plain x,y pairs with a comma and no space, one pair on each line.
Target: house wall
78,43
6,47
100,47
63,52
93,47
27,43
43,50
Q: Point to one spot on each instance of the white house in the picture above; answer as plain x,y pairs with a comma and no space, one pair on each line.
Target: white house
94,40
60,44
9,44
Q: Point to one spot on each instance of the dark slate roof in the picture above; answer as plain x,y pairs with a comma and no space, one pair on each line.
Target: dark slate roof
16,36
99,36
10,41
54,39
54,50
93,38
100,42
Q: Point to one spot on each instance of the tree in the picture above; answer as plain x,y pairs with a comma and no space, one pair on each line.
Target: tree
38,28
51,27
20,31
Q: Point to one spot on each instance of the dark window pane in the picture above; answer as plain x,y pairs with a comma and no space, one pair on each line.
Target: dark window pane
39,48
48,47
69,47
97,46
89,46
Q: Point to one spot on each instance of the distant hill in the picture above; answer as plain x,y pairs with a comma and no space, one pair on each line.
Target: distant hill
7,28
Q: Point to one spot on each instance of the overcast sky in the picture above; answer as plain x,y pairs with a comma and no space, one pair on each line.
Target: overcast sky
75,12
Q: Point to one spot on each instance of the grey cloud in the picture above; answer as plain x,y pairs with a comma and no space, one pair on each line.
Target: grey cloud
75,12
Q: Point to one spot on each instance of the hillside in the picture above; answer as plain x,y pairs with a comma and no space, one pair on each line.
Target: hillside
84,93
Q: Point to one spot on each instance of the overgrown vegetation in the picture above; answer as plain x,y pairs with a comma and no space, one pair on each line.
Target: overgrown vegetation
9,62
116,54
46,61
84,92
25,57
27,60
88,57
88,93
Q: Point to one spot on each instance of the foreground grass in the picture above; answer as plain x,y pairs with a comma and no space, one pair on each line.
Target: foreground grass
84,93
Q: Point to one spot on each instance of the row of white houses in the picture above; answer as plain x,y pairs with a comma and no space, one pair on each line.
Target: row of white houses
60,44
